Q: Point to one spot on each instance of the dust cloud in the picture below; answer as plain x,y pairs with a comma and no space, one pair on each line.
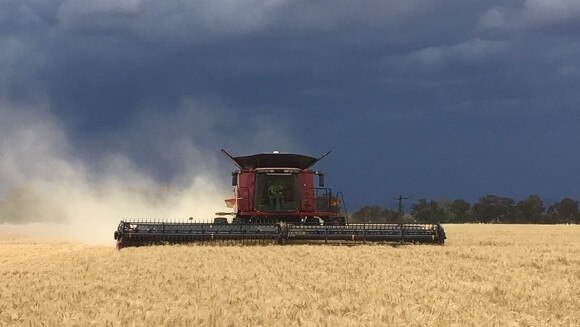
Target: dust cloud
48,190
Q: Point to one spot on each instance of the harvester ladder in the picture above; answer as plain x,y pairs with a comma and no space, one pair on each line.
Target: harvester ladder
339,193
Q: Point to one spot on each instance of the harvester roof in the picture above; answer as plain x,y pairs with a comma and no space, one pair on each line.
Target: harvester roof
274,160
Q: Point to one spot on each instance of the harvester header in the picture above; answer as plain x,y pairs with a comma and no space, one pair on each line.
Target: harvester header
276,200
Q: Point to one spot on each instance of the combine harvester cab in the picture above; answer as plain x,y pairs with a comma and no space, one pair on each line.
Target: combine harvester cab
276,200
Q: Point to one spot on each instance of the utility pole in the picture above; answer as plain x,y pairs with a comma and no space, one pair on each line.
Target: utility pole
400,200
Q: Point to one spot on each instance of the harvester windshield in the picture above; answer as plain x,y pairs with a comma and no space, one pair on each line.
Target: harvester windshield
276,192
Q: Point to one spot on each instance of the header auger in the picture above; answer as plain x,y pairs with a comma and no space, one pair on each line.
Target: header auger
275,200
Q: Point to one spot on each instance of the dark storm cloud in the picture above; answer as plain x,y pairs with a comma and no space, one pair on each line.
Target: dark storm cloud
438,84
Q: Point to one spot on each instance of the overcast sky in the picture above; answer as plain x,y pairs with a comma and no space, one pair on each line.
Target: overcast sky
434,99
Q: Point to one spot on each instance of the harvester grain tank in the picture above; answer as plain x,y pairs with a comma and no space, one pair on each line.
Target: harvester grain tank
276,200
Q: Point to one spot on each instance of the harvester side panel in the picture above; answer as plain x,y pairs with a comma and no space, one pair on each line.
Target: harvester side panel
307,195
245,191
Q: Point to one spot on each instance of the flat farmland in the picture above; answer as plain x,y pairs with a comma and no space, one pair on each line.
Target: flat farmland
485,275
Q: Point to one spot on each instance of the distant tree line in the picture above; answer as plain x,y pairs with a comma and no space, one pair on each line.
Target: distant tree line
488,209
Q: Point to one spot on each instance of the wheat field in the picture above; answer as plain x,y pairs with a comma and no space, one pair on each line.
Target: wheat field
486,275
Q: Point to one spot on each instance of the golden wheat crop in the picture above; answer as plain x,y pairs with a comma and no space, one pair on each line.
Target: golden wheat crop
485,275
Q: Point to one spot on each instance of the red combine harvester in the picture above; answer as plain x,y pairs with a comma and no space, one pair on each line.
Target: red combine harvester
276,200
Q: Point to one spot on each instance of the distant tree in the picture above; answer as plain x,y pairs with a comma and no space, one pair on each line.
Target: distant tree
564,211
530,210
373,214
446,215
460,210
428,212
494,209
444,203
488,209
